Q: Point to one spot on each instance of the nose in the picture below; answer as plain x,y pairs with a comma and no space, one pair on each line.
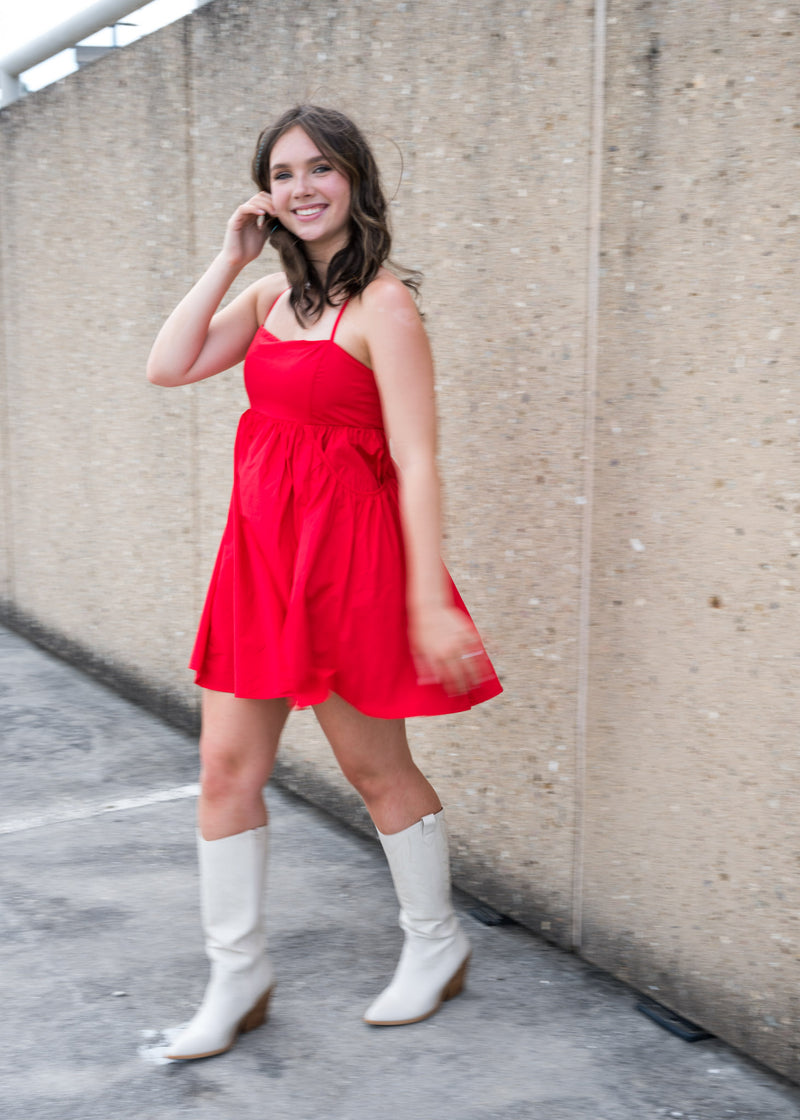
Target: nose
302,185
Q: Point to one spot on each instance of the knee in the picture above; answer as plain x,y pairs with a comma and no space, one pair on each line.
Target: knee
369,783
226,773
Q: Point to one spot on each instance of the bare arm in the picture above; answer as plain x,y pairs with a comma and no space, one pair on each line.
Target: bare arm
445,645
197,341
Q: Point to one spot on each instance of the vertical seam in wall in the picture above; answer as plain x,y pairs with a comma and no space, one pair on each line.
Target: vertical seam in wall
590,409
9,317
191,250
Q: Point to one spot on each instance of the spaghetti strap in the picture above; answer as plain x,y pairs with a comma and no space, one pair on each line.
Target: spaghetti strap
269,309
338,317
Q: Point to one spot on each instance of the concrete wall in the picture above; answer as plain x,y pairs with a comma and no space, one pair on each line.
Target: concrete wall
631,794
691,822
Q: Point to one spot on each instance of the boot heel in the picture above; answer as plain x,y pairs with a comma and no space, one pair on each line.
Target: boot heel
257,1014
455,985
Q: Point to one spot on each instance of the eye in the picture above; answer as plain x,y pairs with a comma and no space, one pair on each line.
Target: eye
322,167
280,175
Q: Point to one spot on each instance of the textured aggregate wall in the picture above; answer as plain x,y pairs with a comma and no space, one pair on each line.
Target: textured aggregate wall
661,842
691,822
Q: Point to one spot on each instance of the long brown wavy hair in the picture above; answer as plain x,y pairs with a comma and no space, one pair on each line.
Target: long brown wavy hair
370,242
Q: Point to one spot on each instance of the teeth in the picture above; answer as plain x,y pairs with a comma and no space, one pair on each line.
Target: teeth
310,210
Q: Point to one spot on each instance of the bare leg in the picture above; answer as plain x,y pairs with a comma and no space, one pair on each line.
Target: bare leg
375,758
238,745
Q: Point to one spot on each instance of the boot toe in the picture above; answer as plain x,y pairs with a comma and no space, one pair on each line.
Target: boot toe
228,1010
416,993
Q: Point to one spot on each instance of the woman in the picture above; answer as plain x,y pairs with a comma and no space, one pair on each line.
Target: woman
329,589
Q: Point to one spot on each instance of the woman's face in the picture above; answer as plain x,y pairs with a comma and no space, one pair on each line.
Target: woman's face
311,198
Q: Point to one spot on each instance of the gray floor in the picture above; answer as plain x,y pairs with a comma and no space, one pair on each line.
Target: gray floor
101,956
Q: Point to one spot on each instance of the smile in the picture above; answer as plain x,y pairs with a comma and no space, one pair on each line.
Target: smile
309,211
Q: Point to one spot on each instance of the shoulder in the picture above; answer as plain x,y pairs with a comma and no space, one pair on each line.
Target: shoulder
393,331
266,291
386,293
387,307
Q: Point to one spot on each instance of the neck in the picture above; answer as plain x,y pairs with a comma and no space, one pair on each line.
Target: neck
321,265
321,253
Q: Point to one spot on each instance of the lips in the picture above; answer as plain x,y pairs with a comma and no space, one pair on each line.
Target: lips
306,212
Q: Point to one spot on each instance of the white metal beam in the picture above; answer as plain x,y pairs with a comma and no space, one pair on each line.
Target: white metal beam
101,14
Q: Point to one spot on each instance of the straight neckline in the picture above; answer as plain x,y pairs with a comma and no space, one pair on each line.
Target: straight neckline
317,342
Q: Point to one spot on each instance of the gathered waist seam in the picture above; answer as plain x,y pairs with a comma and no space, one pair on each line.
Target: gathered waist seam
313,423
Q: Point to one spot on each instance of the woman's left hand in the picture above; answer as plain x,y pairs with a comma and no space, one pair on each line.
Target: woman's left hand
448,649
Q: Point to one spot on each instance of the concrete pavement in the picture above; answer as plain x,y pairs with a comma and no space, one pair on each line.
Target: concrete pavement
101,957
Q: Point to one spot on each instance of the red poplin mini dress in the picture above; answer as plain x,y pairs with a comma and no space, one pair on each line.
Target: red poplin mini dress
308,595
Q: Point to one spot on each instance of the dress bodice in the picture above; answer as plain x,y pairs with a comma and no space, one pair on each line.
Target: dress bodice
310,382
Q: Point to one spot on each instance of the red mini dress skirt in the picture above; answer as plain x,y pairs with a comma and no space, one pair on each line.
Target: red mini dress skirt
308,594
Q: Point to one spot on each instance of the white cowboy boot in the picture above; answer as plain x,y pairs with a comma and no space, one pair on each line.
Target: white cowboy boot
435,955
232,879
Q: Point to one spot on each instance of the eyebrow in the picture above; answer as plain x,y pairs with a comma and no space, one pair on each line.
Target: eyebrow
318,158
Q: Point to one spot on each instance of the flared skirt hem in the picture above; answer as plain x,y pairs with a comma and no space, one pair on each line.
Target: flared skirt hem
431,700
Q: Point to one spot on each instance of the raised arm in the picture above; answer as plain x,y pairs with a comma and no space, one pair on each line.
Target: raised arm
445,644
198,341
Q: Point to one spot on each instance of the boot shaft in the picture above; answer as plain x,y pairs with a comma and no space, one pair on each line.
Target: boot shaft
233,874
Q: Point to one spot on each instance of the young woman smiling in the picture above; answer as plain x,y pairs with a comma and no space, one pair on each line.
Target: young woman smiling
329,589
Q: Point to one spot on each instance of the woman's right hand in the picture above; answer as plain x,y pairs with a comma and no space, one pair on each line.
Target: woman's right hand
198,340
247,229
